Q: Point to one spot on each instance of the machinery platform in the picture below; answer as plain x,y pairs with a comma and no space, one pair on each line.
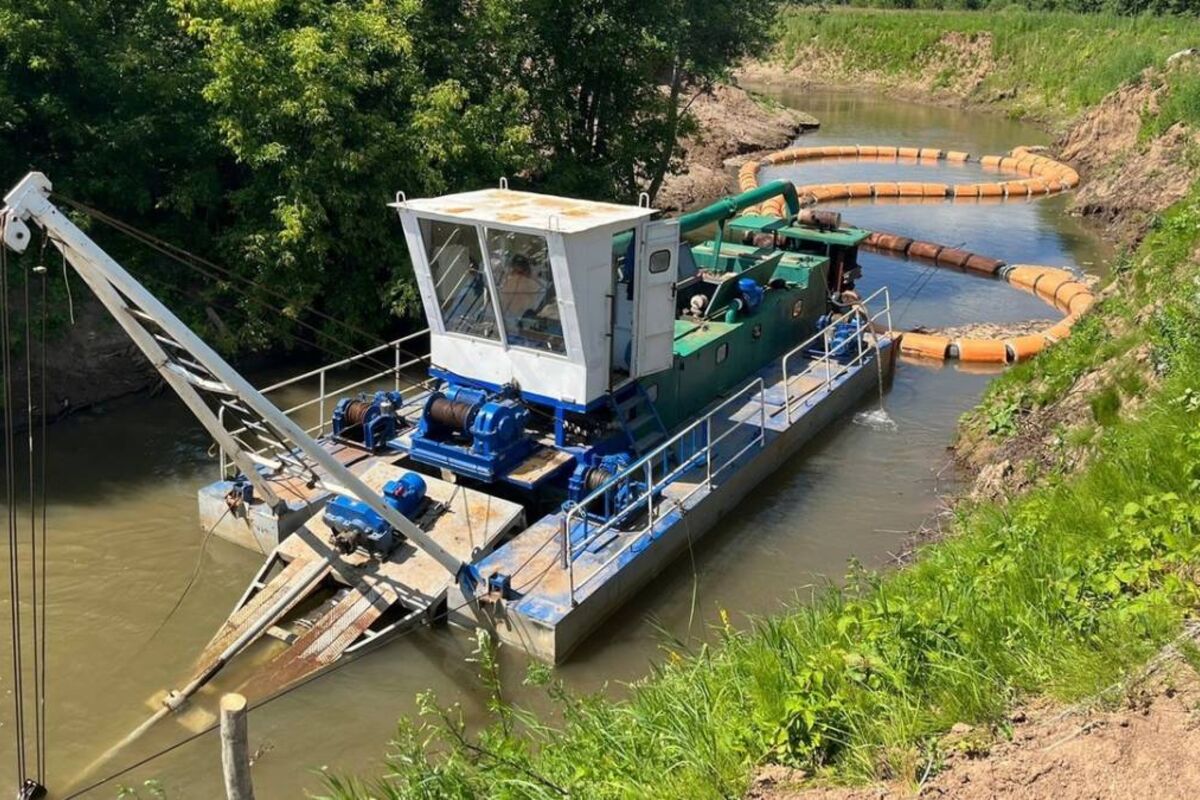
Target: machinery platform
559,600
324,604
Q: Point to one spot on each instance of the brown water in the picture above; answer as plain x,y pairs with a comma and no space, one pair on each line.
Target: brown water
124,536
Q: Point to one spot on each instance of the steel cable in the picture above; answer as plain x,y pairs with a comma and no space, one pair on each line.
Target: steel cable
214,271
14,571
33,542
41,700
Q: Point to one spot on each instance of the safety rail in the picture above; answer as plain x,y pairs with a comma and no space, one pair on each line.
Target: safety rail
695,446
402,360
827,357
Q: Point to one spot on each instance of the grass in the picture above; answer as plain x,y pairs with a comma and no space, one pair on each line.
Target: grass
1060,592
1050,65
1160,272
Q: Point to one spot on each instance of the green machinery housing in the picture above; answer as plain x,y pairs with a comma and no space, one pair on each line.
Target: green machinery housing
724,333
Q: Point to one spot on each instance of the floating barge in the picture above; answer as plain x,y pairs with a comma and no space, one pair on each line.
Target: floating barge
597,392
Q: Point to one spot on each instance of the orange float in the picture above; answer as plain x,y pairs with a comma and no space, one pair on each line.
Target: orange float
1034,174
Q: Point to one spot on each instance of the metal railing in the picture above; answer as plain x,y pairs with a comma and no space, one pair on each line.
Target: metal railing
695,446
826,365
689,449
402,360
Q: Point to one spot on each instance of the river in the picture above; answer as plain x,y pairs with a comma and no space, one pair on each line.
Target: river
125,540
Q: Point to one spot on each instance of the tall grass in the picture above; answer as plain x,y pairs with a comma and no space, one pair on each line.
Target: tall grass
1048,64
1061,592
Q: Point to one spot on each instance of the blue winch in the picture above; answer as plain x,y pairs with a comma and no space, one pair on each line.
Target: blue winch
594,472
355,523
751,294
472,431
368,419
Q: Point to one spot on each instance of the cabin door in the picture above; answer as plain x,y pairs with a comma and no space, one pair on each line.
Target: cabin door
657,271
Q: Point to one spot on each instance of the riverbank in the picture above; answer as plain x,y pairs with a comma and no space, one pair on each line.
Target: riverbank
1077,572
732,124
1121,95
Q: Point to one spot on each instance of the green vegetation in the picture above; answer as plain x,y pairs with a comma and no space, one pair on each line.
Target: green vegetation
1181,102
1060,592
1159,275
1047,64
269,136
1121,7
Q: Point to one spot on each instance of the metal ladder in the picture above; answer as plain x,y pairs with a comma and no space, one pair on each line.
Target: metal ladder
638,418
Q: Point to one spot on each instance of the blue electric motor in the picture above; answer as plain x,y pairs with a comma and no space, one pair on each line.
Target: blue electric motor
472,432
752,294
354,523
845,341
367,419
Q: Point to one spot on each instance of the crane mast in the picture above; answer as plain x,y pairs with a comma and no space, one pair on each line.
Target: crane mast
200,377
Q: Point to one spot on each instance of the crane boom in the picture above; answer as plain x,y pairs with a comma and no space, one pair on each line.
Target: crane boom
195,371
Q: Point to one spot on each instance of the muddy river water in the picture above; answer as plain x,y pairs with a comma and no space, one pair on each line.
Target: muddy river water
125,540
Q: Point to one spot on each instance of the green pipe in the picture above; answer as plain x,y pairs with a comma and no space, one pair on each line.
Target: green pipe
728,207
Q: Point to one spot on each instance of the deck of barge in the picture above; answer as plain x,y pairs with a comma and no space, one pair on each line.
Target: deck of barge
561,599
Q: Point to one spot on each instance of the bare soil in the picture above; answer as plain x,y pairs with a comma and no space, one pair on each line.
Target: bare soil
733,124
1126,181
90,361
951,74
1144,747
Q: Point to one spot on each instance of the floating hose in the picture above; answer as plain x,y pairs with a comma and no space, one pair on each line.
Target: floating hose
1036,175
1056,287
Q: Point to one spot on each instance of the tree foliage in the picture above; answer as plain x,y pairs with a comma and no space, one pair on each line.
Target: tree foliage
270,135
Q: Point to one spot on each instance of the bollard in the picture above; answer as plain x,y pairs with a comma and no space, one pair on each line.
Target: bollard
235,748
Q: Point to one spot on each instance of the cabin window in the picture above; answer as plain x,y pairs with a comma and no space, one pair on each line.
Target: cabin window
520,264
456,270
722,351
660,261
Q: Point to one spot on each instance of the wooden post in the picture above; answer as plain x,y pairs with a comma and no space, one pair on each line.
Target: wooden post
235,748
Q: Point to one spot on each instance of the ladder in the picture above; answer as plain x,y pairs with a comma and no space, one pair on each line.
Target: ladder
639,420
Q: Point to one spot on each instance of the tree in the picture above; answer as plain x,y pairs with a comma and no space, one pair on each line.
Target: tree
704,42
327,110
610,81
269,135
102,97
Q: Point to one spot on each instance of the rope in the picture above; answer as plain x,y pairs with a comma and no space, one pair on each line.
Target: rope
192,579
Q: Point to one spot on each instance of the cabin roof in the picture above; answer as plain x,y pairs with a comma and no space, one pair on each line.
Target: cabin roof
527,210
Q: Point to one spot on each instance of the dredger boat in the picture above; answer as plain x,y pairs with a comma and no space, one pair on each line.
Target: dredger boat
597,392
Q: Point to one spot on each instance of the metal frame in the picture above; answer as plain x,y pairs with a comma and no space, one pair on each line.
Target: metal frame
193,367
835,369
699,447
324,394
695,445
